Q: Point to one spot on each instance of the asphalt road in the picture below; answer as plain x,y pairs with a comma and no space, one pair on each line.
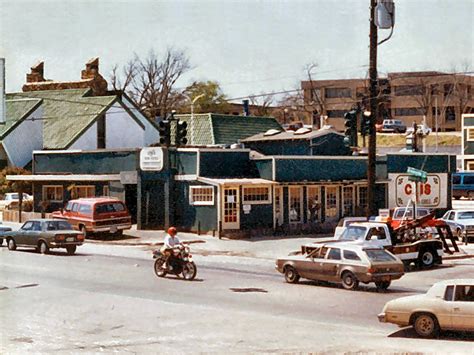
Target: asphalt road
92,302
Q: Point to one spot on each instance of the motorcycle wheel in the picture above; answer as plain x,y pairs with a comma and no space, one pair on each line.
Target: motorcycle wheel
189,271
159,271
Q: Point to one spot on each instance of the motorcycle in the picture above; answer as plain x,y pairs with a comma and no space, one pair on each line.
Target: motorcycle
181,263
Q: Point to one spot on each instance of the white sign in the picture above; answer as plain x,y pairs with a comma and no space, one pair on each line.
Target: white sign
247,208
151,159
431,194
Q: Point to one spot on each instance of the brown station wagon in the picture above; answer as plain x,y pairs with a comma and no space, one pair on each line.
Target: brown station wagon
339,262
96,215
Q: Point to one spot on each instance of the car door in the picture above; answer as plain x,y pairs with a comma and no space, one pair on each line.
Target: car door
311,266
462,308
331,265
22,235
34,234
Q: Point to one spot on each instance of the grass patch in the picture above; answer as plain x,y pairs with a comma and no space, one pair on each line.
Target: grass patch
398,140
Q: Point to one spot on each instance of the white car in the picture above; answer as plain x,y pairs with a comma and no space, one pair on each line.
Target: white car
10,200
461,223
344,223
448,305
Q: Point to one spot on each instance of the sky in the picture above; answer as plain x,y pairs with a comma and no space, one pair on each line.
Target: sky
248,46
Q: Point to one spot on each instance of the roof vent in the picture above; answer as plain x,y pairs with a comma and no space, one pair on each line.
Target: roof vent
271,132
302,130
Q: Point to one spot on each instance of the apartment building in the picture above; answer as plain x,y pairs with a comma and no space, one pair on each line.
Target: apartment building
409,96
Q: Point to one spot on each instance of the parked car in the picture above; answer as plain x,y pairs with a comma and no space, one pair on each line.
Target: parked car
11,200
448,305
406,214
393,126
96,215
340,262
45,234
463,185
3,231
344,223
461,223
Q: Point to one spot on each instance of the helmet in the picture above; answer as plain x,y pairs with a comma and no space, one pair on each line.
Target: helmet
172,231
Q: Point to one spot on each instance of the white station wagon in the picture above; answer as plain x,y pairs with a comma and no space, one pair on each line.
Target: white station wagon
448,305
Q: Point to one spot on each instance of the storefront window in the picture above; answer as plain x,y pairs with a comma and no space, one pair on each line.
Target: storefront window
53,193
331,202
83,191
201,195
362,198
295,204
314,203
348,200
256,195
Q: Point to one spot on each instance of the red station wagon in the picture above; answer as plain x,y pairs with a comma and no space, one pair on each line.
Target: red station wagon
96,215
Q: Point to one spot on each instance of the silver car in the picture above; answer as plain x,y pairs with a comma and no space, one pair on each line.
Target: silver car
461,223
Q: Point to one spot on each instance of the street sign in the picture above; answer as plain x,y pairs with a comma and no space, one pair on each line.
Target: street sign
151,159
417,175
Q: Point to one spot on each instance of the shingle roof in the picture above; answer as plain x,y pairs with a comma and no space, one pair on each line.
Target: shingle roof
211,129
16,112
67,113
290,135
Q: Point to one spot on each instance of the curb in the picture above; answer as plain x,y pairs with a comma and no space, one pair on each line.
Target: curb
121,243
456,257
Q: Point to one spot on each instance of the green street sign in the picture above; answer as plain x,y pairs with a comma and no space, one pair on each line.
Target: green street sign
417,175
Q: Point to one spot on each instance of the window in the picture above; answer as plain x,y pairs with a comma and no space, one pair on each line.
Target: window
456,179
470,134
468,180
83,191
314,203
379,255
448,294
450,114
464,293
362,198
408,111
409,90
336,113
377,232
319,253
331,202
53,193
255,195
108,207
58,225
27,226
295,204
36,226
348,200
85,209
105,190
470,166
334,93
201,195
351,255
75,207
334,254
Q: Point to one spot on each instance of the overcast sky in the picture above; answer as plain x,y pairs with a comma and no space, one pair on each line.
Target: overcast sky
248,46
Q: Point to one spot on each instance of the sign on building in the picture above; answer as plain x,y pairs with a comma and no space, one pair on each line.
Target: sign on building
151,159
433,193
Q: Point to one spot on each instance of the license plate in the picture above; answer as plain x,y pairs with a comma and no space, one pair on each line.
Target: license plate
113,229
70,239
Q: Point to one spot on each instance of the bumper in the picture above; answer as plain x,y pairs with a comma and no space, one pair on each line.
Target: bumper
110,229
63,244
380,277
382,318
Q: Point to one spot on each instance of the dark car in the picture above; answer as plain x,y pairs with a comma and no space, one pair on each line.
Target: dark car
45,234
345,263
3,231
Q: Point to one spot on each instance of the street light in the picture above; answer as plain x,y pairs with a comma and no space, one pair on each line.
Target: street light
193,101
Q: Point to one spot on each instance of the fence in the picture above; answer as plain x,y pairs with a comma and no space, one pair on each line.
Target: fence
13,216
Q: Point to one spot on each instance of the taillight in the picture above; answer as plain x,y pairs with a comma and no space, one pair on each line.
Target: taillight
371,270
60,238
80,237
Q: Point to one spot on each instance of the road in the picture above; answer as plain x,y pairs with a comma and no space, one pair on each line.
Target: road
93,302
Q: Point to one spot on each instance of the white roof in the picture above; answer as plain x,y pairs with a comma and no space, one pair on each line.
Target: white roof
235,181
66,177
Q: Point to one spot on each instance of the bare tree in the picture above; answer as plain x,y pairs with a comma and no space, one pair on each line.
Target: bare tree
150,82
262,105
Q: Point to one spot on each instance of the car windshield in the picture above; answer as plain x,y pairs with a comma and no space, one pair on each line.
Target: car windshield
58,226
466,215
354,233
379,255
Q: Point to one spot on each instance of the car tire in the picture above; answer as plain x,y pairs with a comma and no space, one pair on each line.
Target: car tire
426,325
84,231
382,285
349,281
43,248
11,244
426,258
291,275
71,249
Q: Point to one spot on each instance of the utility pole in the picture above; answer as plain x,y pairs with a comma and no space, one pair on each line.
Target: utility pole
371,210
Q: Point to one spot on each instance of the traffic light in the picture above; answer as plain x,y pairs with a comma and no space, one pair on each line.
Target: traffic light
365,125
181,133
350,139
164,127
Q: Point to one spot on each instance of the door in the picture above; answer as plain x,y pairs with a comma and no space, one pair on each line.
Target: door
332,203
348,201
22,235
462,314
34,234
295,204
332,264
278,206
231,208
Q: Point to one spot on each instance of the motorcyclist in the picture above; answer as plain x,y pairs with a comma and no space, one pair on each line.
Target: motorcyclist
170,243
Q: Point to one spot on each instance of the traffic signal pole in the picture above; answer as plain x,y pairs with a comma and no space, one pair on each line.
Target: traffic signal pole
371,208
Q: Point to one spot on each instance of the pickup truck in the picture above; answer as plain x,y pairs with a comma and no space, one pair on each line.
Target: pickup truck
423,251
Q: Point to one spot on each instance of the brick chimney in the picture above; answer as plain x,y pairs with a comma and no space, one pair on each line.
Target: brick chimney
37,73
92,69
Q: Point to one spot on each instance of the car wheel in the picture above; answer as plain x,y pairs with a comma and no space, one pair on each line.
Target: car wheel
349,281
459,235
11,244
426,258
84,231
382,285
291,275
71,249
426,325
43,248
